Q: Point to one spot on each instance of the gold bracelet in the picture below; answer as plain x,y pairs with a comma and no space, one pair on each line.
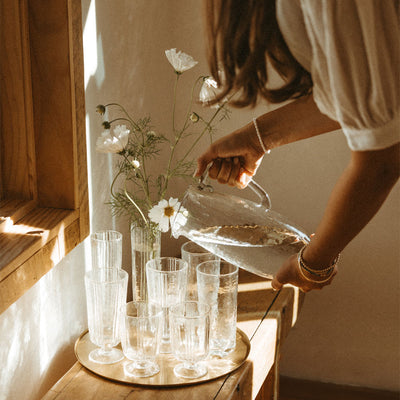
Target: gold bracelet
309,279
317,272
259,137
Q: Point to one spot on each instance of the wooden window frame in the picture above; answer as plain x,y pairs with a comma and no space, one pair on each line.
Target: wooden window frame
44,209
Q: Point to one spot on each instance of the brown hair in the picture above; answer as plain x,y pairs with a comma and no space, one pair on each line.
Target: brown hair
242,36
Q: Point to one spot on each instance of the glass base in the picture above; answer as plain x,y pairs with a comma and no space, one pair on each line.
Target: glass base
106,357
220,348
141,369
190,371
217,353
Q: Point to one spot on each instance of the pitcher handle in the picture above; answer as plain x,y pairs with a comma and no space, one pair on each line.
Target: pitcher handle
265,201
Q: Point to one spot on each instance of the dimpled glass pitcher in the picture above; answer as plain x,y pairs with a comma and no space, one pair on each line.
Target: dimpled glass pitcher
245,233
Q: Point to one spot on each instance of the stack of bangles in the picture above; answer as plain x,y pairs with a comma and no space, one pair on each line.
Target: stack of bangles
322,275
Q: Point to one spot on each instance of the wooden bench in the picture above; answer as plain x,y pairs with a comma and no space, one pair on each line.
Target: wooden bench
264,315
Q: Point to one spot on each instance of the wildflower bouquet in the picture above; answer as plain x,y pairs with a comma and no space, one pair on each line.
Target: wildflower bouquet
141,195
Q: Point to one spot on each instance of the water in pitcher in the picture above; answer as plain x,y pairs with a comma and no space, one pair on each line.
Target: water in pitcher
245,233
257,249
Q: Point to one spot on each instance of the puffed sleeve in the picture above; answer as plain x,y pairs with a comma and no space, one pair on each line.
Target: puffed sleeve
355,66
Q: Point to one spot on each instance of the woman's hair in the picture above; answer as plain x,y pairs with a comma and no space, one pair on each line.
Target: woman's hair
243,36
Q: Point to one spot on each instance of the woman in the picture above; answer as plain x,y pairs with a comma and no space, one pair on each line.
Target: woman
340,64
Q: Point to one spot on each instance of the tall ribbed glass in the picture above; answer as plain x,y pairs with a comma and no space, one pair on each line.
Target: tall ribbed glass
167,283
106,249
217,285
106,290
194,254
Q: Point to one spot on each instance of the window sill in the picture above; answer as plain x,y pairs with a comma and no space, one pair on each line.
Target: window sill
32,246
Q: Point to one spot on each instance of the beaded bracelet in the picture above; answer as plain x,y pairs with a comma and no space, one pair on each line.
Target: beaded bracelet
317,272
309,279
259,137
320,273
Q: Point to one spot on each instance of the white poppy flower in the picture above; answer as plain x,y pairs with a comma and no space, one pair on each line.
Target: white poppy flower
108,143
180,60
164,212
208,90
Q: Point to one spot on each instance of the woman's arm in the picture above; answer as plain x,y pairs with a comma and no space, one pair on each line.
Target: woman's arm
356,197
236,157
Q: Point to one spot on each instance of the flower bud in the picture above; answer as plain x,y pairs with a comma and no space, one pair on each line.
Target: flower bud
135,164
194,117
101,109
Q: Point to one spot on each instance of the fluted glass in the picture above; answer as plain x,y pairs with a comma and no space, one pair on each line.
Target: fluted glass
166,285
194,254
217,283
106,249
140,338
106,290
190,334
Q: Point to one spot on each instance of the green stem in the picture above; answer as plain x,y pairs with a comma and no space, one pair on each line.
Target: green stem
134,203
125,112
145,188
191,103
179,135
119,119
113,182
171,154
174,103
144,174
203,131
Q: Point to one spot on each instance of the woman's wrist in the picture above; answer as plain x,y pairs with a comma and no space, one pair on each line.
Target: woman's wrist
318,259
320,274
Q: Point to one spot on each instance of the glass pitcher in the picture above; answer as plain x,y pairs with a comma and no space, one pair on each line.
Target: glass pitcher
245,233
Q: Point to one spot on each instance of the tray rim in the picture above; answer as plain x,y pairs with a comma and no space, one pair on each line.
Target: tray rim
130,380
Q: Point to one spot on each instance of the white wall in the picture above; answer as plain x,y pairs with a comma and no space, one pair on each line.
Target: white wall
348,333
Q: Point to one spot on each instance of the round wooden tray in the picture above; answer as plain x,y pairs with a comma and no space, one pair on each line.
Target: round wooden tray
217,367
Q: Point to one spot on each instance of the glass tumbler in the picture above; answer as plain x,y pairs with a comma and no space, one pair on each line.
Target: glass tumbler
217,285
140,337
190,337
106,290
194,254
166,286
106,249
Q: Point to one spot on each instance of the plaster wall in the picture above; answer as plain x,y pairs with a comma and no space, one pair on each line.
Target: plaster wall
347,334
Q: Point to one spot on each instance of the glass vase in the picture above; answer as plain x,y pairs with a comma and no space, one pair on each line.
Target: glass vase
145,245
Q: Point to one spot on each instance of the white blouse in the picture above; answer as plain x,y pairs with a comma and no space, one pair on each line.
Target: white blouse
352,50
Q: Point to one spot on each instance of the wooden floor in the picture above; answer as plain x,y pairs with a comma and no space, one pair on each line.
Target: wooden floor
296,389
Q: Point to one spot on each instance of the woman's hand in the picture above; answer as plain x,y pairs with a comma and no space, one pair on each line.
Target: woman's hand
234,158
289,273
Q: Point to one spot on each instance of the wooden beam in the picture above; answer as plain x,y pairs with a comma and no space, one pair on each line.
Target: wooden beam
60,233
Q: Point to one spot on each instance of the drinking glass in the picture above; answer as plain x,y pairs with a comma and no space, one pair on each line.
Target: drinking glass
194,254
190,336
217,285
166,286
106,249
140,337
106,290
